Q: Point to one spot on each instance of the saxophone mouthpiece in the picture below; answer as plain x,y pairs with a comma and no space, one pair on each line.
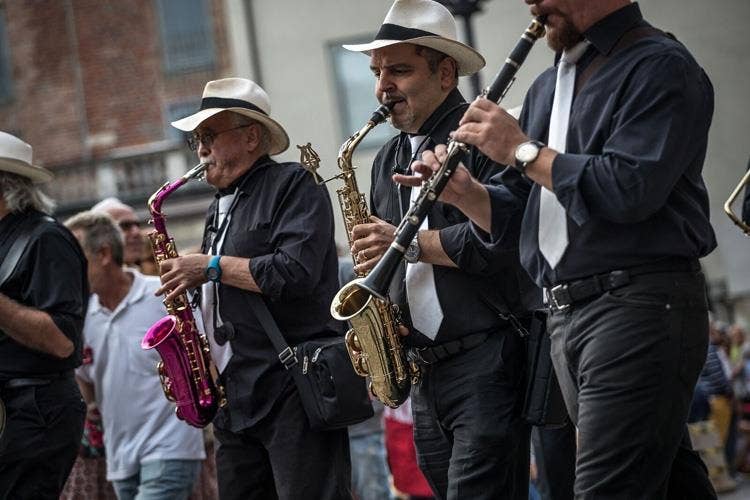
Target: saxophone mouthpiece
382,113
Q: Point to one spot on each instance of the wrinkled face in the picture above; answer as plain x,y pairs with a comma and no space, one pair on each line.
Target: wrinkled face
404,77
231,152
131,229
563,20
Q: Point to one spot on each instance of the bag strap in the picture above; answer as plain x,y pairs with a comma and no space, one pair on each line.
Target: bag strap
17,249
287,355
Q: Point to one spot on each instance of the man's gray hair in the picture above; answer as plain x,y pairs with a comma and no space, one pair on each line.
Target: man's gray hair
108,204
20,193
98,229
239,120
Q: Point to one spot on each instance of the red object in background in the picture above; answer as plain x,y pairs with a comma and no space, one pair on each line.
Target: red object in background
88,355
402,459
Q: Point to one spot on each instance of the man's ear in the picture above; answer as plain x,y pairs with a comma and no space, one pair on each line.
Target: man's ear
448,69
104,254
253,136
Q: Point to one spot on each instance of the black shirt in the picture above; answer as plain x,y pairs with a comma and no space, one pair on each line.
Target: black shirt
282,222
487,279
630,179
50,277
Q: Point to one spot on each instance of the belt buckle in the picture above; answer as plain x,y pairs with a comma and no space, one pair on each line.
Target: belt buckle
562,290
415,355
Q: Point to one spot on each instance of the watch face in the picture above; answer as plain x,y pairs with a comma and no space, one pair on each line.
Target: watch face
527,152
212,273
412,253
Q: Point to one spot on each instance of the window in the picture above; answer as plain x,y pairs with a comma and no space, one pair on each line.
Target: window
186,35
355,86
176,111
6,80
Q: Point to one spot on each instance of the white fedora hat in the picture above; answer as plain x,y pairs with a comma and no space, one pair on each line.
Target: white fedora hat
241,96
426,23
16,157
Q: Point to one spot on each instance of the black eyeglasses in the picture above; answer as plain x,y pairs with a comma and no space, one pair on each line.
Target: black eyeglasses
207,138
126,225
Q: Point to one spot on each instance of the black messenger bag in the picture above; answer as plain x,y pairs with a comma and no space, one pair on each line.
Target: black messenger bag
333,395
543,403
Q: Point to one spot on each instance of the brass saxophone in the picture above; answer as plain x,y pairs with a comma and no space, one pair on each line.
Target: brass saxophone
373,342
188,377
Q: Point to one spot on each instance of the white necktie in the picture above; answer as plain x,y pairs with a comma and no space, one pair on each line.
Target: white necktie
553,227
221,354
424,306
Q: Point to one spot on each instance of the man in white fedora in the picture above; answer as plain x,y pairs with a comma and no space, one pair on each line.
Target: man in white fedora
43,297
456,296
269,232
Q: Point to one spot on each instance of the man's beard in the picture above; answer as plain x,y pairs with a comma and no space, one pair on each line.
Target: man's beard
404,121
564,37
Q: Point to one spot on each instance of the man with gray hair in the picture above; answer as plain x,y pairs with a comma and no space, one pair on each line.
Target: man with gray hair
125,217
150,453
43,296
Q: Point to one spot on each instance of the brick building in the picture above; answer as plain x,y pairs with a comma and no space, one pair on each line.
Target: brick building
93,85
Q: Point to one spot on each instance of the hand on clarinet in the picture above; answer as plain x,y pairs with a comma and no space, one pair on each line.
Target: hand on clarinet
462,190
492,130
460,186
369,243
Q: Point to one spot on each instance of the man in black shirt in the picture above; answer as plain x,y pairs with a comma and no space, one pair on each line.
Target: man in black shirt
269,232
455,296
629,315
43,297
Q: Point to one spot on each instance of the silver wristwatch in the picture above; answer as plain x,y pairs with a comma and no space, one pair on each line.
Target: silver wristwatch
527,152
413,252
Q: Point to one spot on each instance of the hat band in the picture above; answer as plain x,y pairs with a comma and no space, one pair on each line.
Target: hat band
223,102
395,32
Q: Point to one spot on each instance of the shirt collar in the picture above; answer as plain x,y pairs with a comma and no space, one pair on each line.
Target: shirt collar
607,31
438,117
138,288
261,163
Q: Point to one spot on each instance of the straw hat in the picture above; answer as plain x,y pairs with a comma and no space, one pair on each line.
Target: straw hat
16,157
426,23
241,96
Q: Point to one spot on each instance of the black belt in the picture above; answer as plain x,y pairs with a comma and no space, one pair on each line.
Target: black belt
17,383
564,295
433,354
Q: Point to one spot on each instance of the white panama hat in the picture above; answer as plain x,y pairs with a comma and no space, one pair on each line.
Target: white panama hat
426,23
241,96
16,157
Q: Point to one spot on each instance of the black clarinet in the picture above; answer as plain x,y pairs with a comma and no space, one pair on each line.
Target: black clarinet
378,280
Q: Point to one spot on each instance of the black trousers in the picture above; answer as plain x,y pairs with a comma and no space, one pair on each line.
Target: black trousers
282,458
470,439
41,439
627,363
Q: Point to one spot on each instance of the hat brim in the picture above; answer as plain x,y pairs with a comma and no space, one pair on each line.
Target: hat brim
279,137
469,60
37,175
